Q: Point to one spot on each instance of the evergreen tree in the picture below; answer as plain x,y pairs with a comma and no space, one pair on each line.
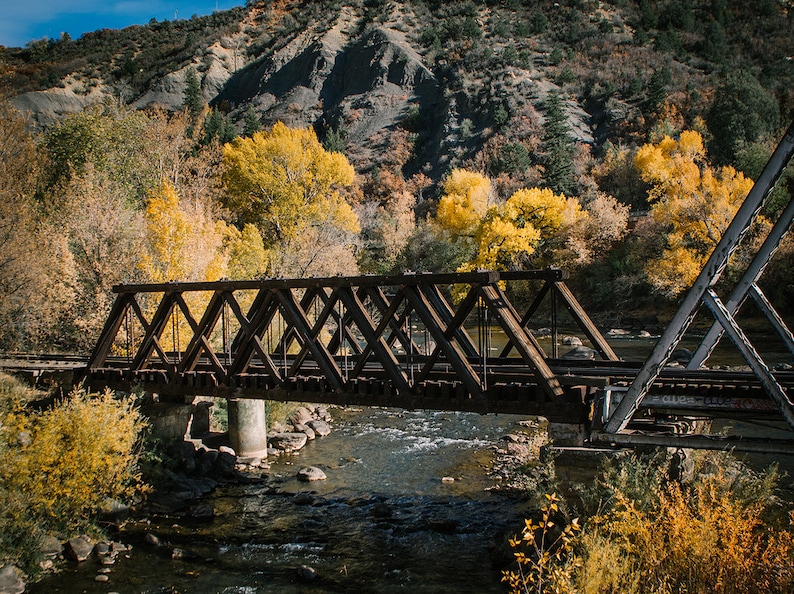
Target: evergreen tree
218,125
193,100
743,112
557,147
656,93
251,123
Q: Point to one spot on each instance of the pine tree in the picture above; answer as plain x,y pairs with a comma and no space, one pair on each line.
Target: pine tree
193,100
557,147
251,122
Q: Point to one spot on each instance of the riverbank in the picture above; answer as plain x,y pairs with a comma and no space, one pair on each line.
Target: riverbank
405,504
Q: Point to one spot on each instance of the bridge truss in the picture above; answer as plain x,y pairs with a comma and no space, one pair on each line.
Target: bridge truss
703,293
377,340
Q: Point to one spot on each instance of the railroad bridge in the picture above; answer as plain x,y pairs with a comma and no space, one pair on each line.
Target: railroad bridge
404,341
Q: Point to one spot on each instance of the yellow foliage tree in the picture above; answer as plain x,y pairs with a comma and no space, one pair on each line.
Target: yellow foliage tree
467,196
287,185
692,201
185,242
282,180
511,232
246,253
168,229
60,465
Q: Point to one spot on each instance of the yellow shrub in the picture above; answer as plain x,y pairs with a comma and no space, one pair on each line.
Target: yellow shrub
725,533
715,535
60,465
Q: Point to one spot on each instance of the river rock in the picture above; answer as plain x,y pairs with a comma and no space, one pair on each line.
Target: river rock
681,356
311,473
288,442
309,432
151,539
225,463
11,580
321,428
574,341
79,549
323,414
50,546
300,416
580,353
206,461
201,511
306,573
614,332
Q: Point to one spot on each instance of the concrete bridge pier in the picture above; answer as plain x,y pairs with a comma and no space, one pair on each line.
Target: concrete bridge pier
248,427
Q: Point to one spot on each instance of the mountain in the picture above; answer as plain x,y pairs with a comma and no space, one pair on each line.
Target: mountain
454,75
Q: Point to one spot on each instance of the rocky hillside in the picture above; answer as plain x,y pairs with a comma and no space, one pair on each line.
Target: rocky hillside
428,84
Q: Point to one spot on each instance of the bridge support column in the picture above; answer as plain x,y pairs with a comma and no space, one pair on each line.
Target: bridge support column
248,427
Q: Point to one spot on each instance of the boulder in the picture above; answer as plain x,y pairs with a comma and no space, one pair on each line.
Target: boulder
580,353
11,580
300,416
225,463
288,442
320,428
79,549
573,341
311,473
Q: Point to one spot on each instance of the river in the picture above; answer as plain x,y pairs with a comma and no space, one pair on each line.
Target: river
383,521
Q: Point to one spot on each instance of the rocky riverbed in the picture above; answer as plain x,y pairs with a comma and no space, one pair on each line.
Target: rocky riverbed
192,496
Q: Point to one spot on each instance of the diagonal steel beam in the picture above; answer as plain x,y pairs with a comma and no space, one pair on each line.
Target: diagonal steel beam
443,335
707,278
750,355
584,322
151,340
297,319
533,307
747,285
251,343
374,339
116,318
496,302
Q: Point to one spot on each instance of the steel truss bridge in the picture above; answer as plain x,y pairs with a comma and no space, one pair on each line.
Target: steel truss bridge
403,341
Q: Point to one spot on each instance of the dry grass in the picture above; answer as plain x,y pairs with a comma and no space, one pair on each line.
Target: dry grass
724,532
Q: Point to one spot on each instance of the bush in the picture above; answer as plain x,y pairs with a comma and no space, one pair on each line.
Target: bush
725,531
721,533
61,464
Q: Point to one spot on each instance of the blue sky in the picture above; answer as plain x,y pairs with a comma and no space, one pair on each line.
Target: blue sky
22,21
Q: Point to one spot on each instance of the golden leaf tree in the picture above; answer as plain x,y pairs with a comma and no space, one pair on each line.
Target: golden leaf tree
692,201
502,236
286,184
467,196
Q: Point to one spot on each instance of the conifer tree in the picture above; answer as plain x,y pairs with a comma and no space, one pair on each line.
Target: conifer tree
251,122
557,147
193,100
